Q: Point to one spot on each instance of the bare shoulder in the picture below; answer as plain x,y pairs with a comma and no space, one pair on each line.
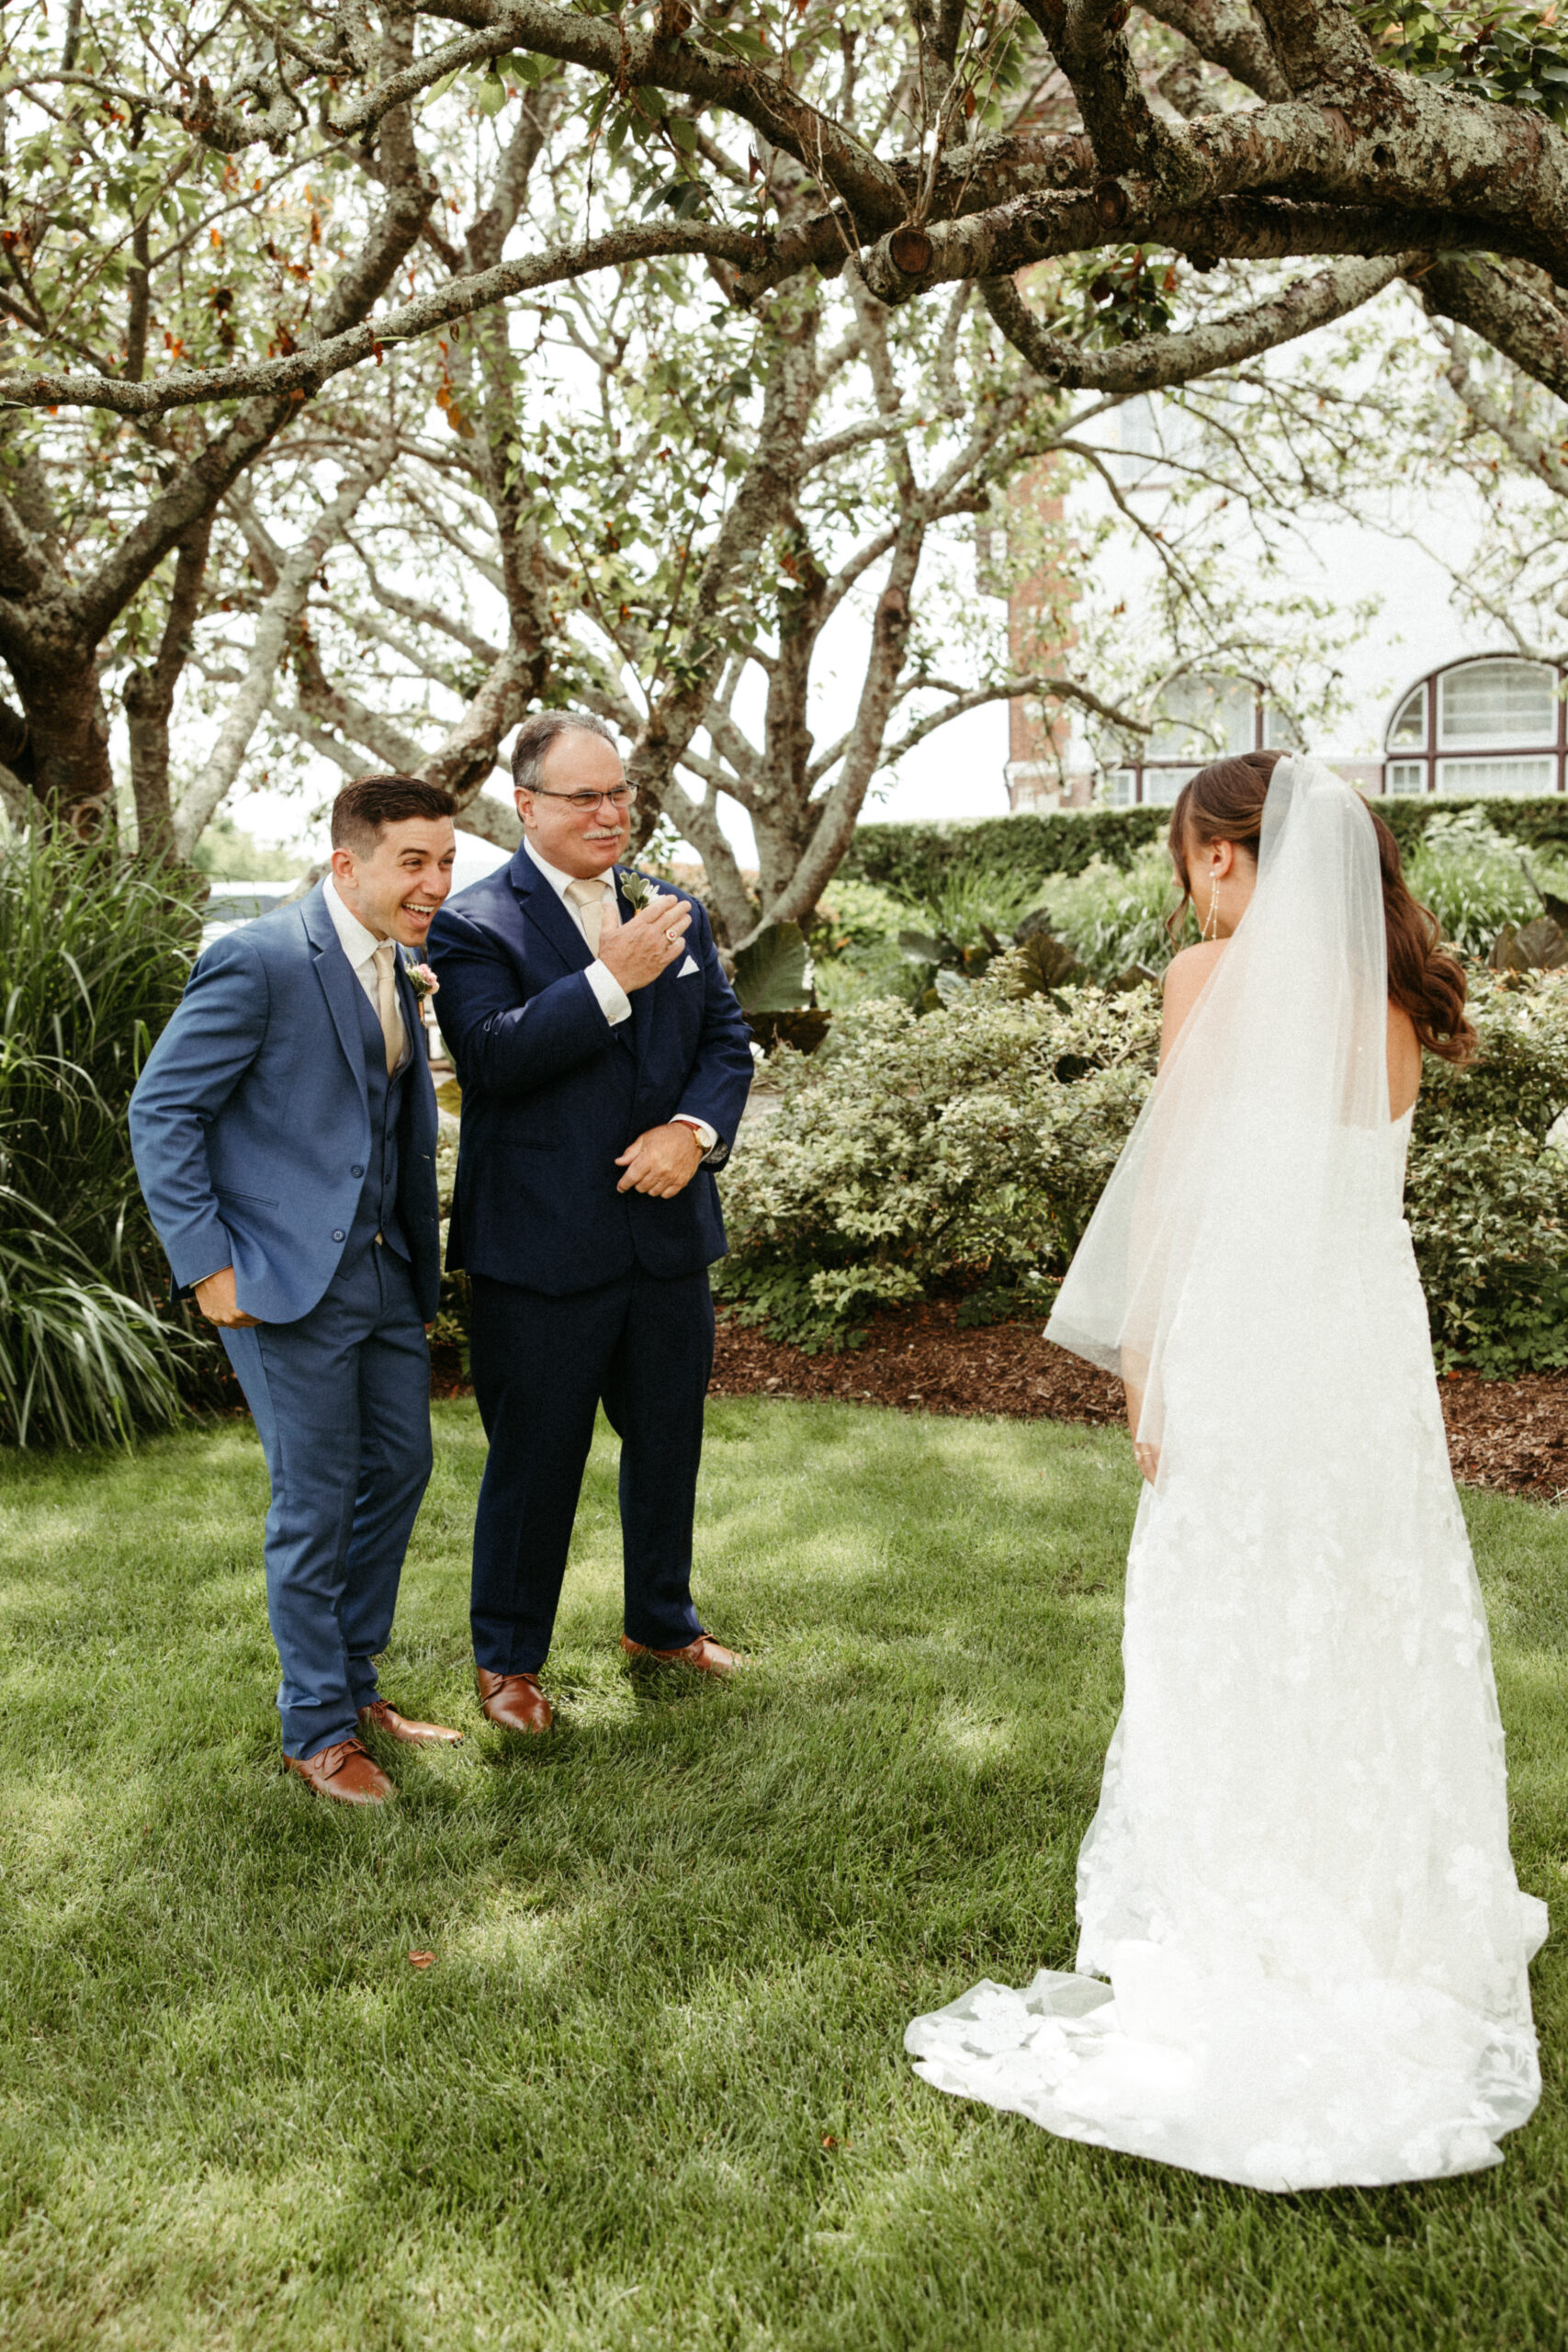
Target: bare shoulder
1404,1062
1186,977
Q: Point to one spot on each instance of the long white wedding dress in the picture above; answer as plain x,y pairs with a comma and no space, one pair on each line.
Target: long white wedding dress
1302,1953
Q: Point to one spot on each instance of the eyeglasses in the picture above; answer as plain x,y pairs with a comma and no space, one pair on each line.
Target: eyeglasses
585,803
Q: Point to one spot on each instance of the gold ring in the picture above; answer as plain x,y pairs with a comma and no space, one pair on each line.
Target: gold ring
672,933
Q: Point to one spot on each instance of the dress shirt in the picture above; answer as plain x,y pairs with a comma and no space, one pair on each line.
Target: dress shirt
360,946
614,1002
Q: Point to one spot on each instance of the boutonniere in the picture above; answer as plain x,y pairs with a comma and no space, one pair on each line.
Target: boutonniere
638,891
422,979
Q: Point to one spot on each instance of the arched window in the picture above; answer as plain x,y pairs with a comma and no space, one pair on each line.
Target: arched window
1492,724
1201,720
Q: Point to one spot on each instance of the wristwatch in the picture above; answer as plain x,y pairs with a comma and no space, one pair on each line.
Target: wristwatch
707,1137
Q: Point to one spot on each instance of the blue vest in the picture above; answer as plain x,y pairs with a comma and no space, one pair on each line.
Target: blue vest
377,1208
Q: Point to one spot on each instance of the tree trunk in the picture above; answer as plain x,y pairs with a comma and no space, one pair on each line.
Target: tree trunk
68,737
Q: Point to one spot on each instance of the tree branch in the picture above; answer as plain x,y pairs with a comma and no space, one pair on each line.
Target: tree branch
1150,361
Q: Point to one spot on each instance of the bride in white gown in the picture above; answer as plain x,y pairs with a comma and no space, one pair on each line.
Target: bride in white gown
1298,1882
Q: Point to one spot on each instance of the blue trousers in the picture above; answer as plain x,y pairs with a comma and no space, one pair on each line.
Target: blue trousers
541,1367
341,1401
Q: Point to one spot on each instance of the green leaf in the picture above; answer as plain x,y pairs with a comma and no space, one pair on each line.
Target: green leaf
774,974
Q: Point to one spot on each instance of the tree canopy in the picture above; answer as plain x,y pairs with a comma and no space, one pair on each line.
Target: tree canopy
829,270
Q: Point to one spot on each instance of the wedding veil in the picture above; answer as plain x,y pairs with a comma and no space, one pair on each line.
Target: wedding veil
1226,1245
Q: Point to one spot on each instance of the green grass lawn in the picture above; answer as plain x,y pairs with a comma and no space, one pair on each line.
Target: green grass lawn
651,2092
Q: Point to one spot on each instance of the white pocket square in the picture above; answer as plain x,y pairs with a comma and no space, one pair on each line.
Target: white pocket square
690,964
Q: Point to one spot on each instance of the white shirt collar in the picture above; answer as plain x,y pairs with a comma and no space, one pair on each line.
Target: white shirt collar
358,945
553,874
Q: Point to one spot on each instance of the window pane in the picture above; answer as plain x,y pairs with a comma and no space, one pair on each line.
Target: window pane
1408,732
1517,777
1405,776
1162,784
1209,718
1281,733
1120,788
1496,702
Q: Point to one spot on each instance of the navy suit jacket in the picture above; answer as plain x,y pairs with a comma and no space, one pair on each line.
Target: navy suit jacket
251,1122
552,1093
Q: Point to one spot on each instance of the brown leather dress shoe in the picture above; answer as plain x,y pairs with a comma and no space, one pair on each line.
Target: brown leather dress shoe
382,1716
345,1771
705,1654
514,1701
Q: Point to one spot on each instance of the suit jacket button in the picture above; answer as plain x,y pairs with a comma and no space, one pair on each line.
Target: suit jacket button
338,1235
356,1172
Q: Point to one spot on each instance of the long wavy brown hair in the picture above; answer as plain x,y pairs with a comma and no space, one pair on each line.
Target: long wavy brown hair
1224,803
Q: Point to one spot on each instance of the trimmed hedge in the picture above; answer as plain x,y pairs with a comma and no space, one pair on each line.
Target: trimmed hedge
914,861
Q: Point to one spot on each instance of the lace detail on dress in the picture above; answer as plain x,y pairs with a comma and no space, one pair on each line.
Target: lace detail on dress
1298,1880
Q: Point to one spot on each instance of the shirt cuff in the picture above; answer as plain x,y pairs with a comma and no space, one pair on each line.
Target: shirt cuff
707,1137
614,1002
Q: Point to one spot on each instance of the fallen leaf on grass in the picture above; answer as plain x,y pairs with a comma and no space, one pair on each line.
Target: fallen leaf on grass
421,1960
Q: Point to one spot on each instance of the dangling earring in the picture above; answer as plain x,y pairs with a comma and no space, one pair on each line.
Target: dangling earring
1212,920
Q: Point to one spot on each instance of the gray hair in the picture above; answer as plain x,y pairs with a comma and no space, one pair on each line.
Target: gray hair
538,732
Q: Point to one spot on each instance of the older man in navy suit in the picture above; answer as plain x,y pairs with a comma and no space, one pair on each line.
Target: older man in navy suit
285,1136
604,1065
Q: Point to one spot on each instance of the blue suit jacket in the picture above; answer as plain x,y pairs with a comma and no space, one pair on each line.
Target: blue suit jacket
251,1122
552,1093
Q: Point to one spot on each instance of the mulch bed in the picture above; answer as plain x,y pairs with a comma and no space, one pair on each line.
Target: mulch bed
1511,1434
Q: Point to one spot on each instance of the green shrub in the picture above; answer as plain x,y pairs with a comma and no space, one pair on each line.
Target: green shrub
94,953
966,1151
1486,1195
1114,916
1474,879
912,861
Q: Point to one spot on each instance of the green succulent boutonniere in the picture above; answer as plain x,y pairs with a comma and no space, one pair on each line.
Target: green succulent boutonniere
638,891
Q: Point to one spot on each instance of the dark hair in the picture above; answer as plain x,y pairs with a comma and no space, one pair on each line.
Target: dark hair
1224,803
363,807
538,732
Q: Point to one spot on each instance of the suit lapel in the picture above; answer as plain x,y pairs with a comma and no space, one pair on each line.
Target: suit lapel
546,913
641,1022
338,983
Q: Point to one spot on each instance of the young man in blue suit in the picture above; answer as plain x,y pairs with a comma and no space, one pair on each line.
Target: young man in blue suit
285,1136
604,1065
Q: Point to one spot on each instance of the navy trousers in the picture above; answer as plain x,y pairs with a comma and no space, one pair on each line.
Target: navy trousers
341,1401
541,1367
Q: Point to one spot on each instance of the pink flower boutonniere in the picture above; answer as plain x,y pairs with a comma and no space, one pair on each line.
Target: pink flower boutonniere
423,981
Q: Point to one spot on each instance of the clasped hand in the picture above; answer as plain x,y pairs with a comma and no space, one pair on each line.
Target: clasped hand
661,1162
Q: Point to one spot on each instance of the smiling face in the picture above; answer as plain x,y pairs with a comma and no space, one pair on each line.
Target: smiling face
580,841
395,888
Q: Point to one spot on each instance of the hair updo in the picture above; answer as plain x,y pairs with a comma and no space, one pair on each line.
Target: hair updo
1224,803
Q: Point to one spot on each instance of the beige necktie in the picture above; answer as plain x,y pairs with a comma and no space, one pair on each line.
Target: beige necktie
387,1005
600,912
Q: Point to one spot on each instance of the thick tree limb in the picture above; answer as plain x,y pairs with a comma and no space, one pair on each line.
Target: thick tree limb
1037,227
1516,318
1318,42
1229,34
1153,360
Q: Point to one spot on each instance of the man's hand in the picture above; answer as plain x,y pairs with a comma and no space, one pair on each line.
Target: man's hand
663,1162
216,1299
646,946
